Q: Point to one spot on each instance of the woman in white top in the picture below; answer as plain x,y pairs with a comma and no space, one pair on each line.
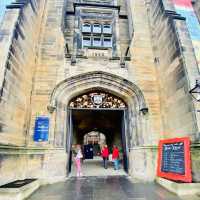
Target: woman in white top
77,157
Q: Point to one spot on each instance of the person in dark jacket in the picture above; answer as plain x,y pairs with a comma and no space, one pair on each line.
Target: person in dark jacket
105,154
115,157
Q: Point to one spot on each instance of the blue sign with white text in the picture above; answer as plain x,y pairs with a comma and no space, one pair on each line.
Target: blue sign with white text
41,132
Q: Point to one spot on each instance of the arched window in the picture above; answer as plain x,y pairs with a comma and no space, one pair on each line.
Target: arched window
86,28
107,28
96,28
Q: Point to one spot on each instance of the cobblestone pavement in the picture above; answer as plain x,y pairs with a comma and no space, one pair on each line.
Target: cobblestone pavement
102,188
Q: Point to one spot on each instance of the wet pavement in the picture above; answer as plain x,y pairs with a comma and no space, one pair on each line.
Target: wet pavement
94,167
102,188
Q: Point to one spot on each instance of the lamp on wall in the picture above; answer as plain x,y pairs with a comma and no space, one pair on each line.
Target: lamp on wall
51,109
144,111
195,92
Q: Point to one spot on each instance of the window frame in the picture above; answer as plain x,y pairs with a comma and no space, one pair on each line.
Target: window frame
86,36
85,24
100,28
111,44
107,32
96,37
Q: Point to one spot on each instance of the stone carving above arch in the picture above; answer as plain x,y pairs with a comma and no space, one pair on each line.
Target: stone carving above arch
97,99
73,88
97,80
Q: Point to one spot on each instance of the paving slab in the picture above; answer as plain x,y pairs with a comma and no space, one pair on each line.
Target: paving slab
107,188
94,167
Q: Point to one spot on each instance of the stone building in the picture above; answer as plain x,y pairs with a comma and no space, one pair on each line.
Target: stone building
196,5
123,68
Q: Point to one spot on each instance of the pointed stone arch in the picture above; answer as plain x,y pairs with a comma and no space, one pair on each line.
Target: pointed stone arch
117,85
72,87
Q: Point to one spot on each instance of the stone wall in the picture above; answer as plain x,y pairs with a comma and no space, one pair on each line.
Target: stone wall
177,71
51,61
196,5
20,31
142,69
53,68
22,163
176,68
37,67
19,40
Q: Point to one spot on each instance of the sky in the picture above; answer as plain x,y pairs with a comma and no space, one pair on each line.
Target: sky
3,4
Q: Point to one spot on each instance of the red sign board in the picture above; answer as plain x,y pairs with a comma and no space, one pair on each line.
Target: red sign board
174,161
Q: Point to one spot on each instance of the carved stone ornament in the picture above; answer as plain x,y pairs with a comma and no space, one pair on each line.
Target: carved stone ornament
97,100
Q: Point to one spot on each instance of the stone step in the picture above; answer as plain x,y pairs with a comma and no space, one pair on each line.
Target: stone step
19,193
180,189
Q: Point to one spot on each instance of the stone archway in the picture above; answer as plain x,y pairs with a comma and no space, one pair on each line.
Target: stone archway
72,87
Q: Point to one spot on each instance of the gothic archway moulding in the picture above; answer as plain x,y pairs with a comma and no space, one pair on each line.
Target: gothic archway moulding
116,85
123,89
97,99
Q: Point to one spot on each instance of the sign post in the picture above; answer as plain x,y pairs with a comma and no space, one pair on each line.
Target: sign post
174,161
41,131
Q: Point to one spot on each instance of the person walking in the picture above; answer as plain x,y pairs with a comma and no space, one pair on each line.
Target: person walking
77,157
115,157
105,154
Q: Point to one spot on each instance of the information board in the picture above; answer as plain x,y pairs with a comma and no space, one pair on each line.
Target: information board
41,131
174,159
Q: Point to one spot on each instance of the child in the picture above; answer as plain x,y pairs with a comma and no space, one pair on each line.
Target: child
77,157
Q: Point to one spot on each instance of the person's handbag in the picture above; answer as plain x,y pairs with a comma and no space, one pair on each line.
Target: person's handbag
110,158
79,155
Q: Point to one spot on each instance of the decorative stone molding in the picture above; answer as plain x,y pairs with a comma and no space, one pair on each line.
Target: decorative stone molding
98,80
97,99
66,93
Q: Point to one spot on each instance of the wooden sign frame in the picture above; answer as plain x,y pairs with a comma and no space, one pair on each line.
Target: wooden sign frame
187,176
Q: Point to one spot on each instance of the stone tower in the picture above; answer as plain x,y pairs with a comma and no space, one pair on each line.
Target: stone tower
54,51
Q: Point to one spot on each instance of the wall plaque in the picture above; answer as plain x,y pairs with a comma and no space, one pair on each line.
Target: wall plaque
41,131
174,161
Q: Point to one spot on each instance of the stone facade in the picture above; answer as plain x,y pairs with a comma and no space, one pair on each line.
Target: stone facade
151,66
196,5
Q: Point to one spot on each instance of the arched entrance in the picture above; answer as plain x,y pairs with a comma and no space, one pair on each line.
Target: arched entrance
132,117
98,112
95,139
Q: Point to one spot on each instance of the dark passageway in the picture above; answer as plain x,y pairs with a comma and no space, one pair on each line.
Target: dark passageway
110,123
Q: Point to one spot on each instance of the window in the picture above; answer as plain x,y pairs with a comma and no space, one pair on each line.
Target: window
86,42
96,35
86,27
97,42
96,28
107,28
107,42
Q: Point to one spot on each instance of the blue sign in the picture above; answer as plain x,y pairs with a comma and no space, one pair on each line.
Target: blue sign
41,131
